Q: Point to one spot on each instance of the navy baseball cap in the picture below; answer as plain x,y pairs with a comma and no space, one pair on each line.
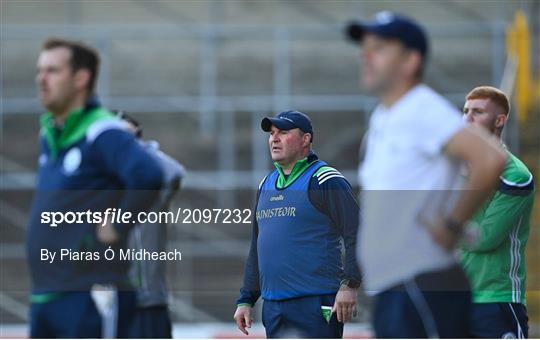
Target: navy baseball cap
391,26
288,120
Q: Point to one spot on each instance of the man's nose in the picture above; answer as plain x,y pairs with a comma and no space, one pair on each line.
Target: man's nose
365,55
468,118
40,78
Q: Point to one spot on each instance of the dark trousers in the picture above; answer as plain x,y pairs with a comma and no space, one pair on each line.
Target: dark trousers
300,317
152,323
73,315
435,304
499,320
127,302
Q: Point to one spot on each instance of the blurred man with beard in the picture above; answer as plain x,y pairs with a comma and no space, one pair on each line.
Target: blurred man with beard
89,162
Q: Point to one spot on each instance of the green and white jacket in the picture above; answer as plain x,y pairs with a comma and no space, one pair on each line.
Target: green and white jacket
496,263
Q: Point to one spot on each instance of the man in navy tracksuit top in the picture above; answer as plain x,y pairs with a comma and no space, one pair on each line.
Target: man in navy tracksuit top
88,162
304,210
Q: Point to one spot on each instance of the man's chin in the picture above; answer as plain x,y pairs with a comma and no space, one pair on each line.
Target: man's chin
370,87
51,107
46,102
276,158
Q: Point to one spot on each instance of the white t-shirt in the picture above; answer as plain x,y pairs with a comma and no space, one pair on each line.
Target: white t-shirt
405,174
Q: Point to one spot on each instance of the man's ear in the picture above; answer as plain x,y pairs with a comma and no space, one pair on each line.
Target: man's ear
82,79
306,139
412,63
500,121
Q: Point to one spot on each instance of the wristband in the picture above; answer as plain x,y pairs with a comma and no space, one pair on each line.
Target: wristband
353,284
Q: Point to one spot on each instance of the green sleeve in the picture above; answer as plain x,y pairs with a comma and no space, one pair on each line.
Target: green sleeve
497,220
